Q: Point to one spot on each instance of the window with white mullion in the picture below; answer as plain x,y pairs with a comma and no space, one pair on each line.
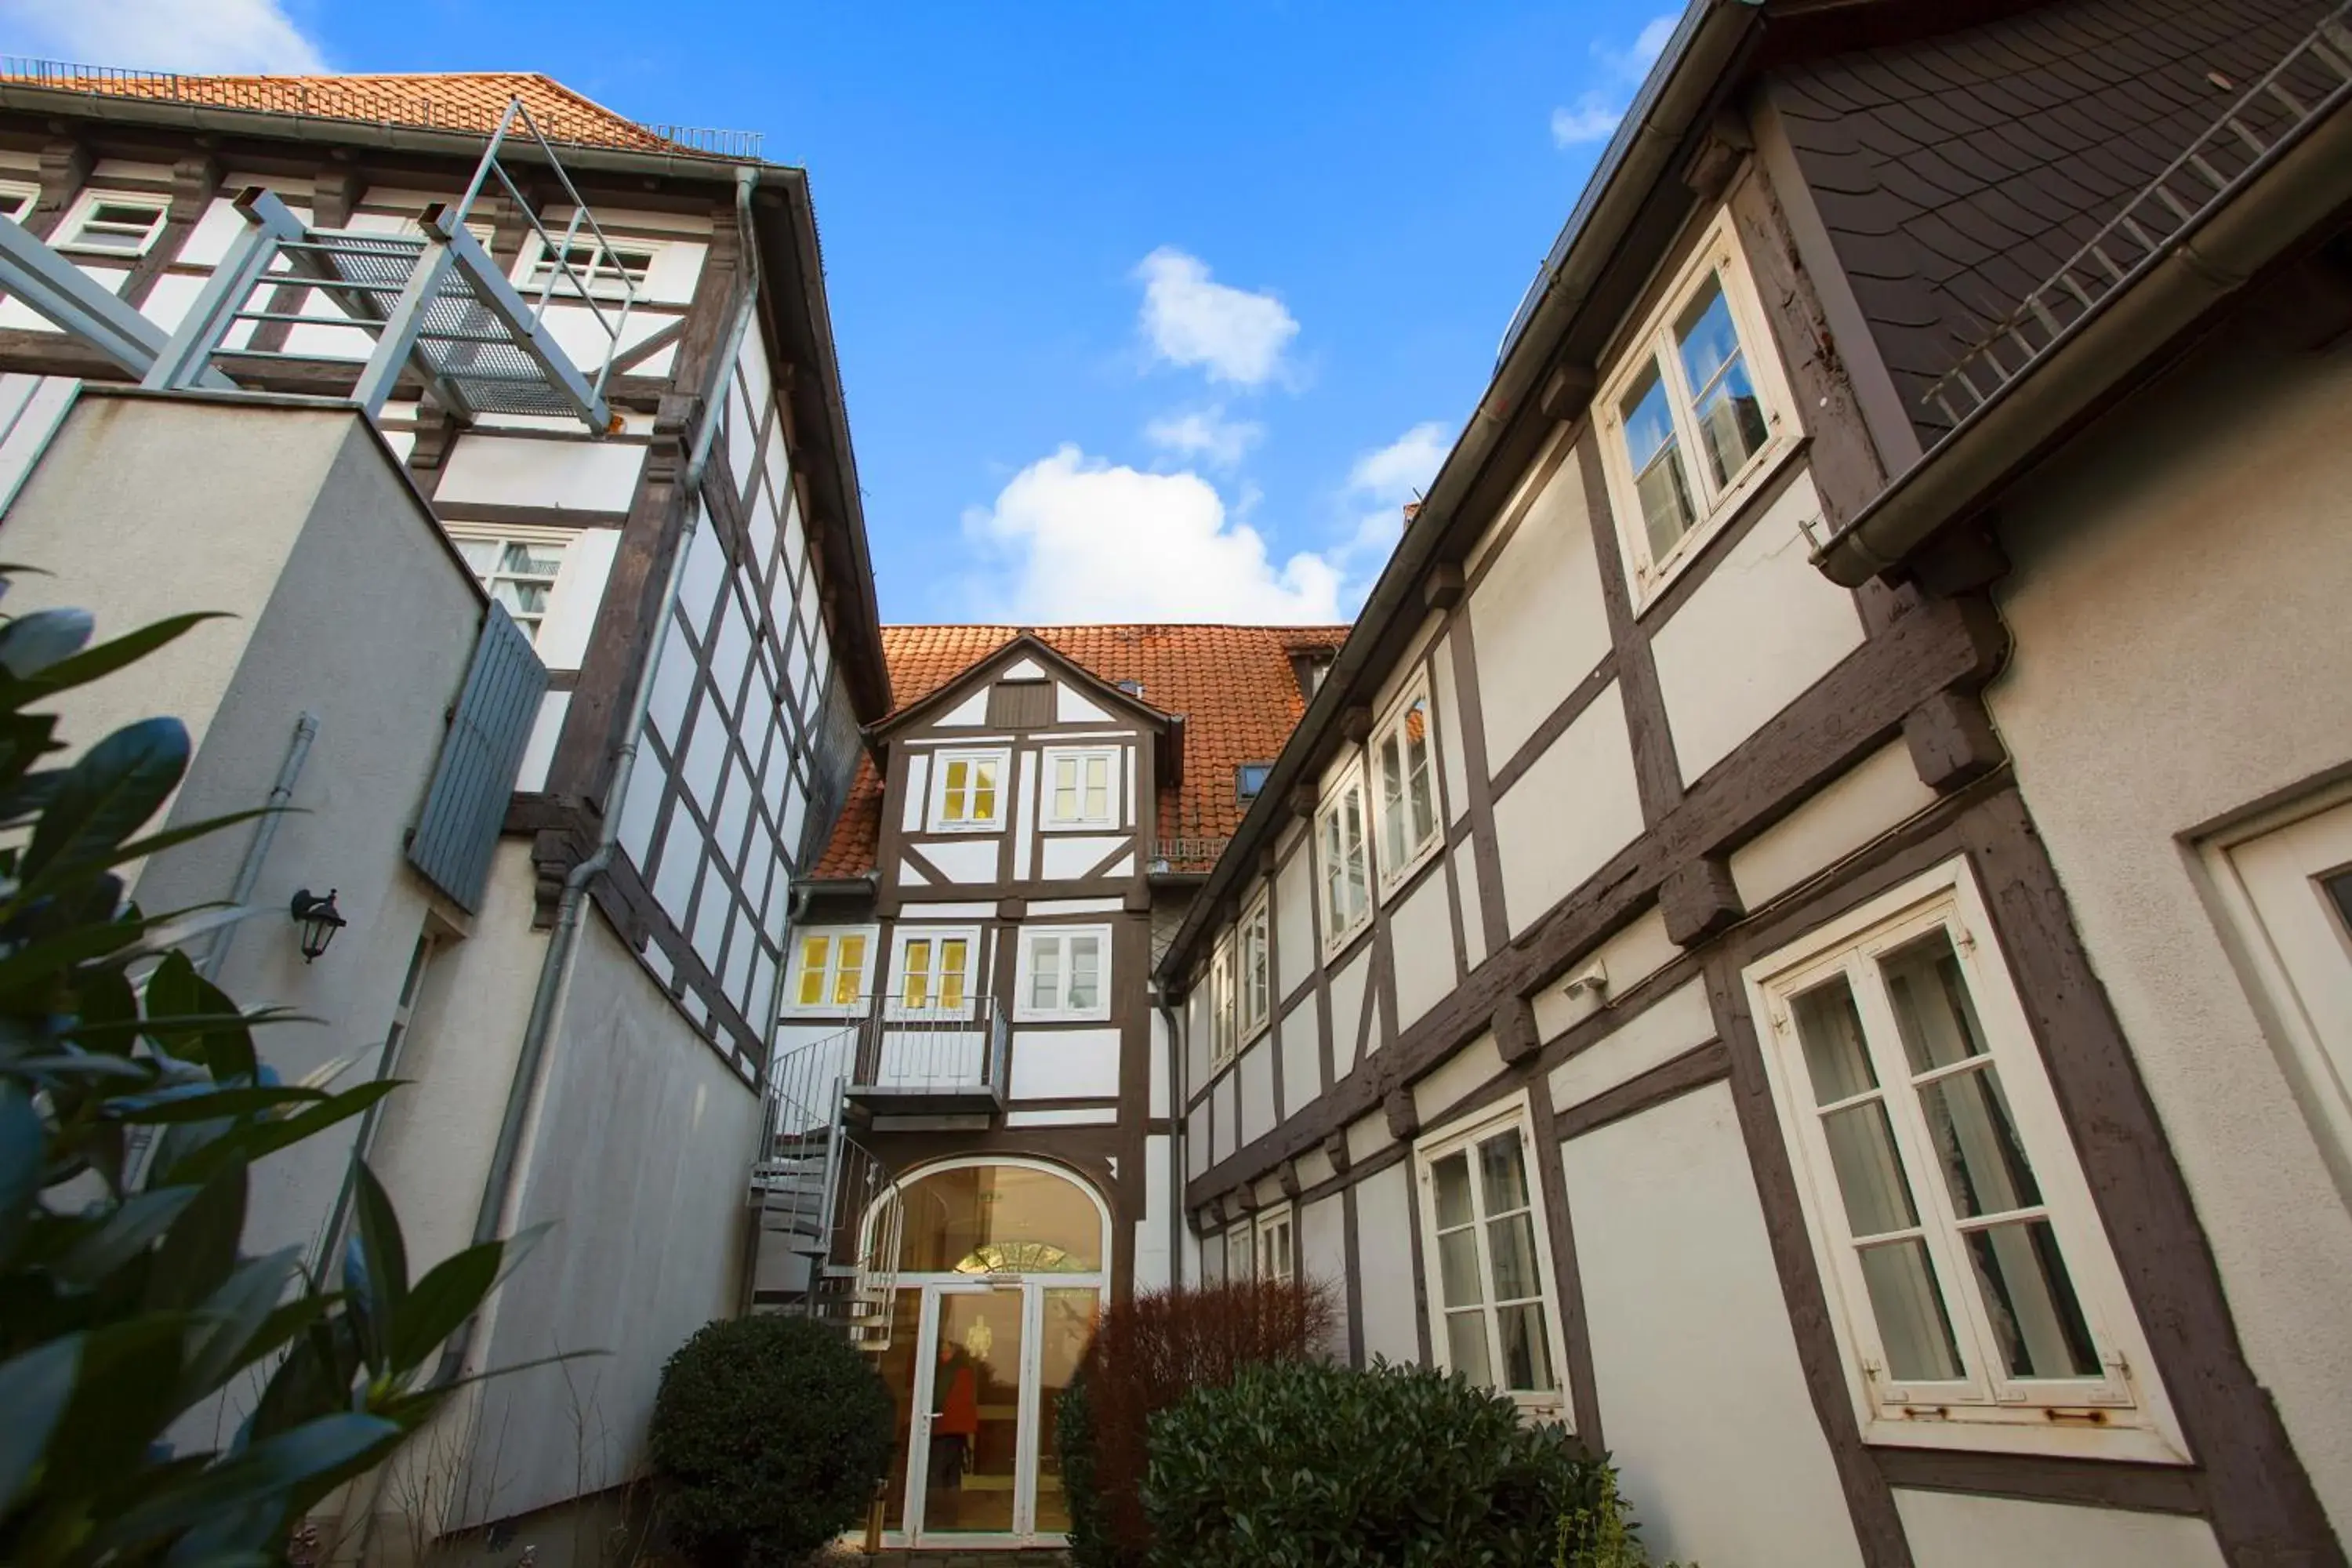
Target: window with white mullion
1345,856
1253,980
1955,1250
1063,972
517,571
1491,1293
1222,1037
1407,788
1080,788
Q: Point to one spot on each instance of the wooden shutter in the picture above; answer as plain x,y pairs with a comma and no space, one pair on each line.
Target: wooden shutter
480,756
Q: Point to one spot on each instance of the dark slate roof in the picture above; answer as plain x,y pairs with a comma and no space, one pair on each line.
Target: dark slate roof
1956,174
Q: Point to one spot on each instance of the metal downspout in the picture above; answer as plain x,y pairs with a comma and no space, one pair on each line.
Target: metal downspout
1175,1145
265,833
555,968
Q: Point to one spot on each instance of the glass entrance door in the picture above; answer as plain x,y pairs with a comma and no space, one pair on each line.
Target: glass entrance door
968,1458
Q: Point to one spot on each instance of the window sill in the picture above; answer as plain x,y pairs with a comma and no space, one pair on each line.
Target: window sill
1253,1035
1100,1017
2123,1440
1408,874
1762,470
1336,946
1103,827
965,827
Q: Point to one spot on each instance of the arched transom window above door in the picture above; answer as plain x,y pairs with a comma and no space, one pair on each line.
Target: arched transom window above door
992,1219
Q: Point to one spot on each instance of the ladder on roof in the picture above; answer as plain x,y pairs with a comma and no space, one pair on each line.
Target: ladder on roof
433,300
2312,80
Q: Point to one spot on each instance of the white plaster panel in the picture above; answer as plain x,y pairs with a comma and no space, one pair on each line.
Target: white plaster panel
1294,927
2168,672
167,302
1314,1167
1953,1530
1676,1023
578,476
1196,1037
1452,768
538,750
1565,816
1457,1076
1220,1100
1302,1056
1161,1039
1256,1077
1196,1142
1024,816
1701,1392
1384,1253
573,600
1022,669
970,712
1538,617
1473,911
1764,626
1064,1064
640,805
962,860
1062,858
977,911
1071,707
1064,1116
1859,804
1323,1260
1347,991
1421,946
1367,1136
918,790
1154,1269
1213,1259
1041,908
703,576
587,342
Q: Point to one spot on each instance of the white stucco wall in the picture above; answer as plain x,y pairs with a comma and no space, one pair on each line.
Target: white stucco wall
1762,628
1536,617
1951,1530
1302,1056
637,1148
1702,1401
1421,944
1384,1252
1563,818
2177,608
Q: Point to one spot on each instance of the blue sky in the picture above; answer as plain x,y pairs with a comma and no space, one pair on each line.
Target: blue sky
1144,311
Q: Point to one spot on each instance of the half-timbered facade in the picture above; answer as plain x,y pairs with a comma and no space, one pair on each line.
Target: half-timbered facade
586,1016
969,1009
1826,988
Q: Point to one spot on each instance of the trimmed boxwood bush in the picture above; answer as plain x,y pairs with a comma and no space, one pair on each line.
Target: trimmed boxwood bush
768,1435
1306,1465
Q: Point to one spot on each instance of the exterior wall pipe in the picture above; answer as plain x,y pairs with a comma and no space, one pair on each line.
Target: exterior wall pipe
2308,183
265,833
562,945
1175,1142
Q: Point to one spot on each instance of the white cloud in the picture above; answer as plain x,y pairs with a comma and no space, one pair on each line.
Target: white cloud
1085,540
1191,319
1595,113
1403,469
1387,478
1205,433
164,35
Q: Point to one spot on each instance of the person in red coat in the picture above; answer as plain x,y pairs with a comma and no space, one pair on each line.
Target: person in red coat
955,1424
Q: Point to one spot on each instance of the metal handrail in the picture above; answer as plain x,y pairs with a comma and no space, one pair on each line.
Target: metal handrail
2153,222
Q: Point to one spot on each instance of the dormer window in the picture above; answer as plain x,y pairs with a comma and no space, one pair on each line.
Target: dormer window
1310,665
1249,780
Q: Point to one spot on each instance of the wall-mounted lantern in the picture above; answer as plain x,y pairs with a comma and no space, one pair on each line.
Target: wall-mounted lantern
320,920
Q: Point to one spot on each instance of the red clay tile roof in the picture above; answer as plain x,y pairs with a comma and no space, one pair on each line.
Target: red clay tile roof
1234,686
469,101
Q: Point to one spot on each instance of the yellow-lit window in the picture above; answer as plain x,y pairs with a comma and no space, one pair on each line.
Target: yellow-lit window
831,968
1078,789
933,971
969,790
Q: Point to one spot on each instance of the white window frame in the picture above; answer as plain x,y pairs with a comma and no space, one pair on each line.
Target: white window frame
1712,505
828,1008
605,282
1253,968
1032,938
557,542
1079,756
18,198
1414,856
940,761
2122,1414
1270,1226
1224,1041
1334,807
974,976
68,232
1462,1137
2291,950
1241,1253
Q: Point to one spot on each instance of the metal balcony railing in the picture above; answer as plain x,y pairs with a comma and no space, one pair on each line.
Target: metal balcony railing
828,1211
939,1059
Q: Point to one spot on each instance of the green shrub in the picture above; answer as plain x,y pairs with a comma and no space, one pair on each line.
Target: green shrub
125,1302
769,1434
1601,1534
1149,1353
1304,1465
